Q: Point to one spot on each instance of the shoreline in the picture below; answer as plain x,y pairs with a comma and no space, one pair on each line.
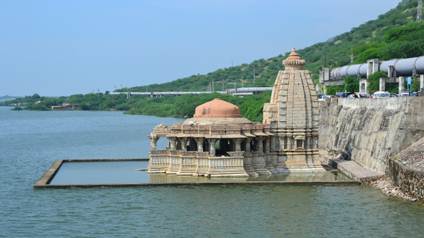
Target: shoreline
78,110
387,187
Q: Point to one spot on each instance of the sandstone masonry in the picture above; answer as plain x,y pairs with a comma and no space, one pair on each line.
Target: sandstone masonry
377,134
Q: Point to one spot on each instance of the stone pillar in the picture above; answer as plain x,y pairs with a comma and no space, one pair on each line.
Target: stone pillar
401,84
173,143
153,142
267,145
248,149
373,67
183,144
382,84
260,144
363,86
281,141
199,142
291,143
316,142
212,147
238,144
422,82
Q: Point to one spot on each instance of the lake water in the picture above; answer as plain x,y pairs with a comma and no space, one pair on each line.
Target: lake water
135,172
31,141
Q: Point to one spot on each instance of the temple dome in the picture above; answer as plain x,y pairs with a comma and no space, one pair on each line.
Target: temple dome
217,108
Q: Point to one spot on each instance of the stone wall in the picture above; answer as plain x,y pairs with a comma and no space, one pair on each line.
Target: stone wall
410,181
406,170
371,130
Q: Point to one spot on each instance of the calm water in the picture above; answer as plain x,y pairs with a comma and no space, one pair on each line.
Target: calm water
130,172
30,141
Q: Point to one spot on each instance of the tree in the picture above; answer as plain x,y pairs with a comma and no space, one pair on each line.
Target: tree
415,87
351,84
374,81
332,90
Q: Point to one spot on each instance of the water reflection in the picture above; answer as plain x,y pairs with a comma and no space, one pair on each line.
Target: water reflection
133,172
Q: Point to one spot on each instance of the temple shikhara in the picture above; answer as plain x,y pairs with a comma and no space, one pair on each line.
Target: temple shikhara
218,141
293,115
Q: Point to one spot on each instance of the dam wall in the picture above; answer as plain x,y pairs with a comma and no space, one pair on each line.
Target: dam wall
371,131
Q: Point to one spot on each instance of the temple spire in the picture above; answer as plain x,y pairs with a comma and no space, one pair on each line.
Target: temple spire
294,60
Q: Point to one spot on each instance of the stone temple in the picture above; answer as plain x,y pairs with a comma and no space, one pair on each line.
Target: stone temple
218,141
293,115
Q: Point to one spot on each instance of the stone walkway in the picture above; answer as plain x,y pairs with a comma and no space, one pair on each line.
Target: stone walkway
356,171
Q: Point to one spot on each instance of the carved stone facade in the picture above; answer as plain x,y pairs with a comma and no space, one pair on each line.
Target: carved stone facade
293,115
217,141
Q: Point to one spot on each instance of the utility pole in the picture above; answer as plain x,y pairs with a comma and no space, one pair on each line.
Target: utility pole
420,10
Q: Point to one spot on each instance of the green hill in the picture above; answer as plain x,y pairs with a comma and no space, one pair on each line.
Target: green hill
395,34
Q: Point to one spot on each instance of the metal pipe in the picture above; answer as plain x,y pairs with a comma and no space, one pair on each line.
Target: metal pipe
401,67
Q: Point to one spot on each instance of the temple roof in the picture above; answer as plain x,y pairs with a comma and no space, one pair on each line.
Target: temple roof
217,108
293,59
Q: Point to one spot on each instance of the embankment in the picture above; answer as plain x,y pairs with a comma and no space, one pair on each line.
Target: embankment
407,170
373,131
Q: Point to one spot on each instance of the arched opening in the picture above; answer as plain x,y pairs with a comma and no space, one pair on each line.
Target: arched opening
191,144
206,145
179,147
254,144
162,143
224,146
243,145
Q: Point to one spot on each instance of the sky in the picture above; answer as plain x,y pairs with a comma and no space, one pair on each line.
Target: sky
66,47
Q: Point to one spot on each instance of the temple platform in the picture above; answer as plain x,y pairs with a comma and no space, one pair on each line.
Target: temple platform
102,173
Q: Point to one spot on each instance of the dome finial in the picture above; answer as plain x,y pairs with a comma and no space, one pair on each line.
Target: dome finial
293,59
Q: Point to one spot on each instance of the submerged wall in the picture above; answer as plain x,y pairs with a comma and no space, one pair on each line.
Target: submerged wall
371,130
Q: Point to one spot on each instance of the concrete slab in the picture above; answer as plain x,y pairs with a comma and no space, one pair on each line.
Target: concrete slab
355,171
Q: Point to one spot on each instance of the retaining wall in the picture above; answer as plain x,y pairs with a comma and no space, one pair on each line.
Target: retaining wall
371,130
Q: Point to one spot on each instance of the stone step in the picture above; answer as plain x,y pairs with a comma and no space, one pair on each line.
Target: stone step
356,171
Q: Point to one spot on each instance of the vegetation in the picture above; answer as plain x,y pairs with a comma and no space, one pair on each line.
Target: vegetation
332,90
181,106
392,35
351,84
374,81
416,84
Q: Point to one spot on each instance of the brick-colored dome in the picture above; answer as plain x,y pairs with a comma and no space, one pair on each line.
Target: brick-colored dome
217,108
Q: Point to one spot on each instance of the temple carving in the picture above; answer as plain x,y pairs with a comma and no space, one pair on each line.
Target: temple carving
293,115
218,141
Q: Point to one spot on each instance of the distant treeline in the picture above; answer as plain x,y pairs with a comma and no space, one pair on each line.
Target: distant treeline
180,106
